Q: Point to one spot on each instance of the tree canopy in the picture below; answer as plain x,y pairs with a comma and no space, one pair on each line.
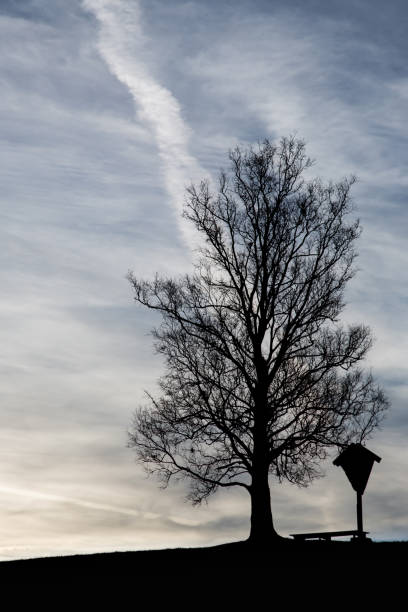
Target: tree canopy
261,378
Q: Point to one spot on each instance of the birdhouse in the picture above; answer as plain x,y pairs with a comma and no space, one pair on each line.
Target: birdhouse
357,462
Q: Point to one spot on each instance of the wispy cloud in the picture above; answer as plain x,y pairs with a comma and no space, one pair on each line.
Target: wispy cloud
319,76
70,500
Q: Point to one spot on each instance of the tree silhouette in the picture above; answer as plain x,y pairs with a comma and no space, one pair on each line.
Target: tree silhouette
261,378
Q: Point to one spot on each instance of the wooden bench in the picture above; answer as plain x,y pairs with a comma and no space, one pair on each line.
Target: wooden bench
328,535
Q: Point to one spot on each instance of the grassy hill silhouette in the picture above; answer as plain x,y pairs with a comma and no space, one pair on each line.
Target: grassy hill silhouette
298,559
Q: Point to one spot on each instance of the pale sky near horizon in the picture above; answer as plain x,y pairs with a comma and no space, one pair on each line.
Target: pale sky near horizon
108,109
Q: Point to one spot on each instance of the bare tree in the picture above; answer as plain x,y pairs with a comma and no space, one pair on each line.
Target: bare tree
261,378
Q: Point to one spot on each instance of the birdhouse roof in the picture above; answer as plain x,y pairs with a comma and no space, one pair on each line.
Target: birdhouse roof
354,454
357,462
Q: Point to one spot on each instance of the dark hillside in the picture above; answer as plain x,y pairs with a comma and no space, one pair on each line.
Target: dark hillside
308,560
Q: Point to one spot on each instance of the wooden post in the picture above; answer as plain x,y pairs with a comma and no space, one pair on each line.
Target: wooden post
360,516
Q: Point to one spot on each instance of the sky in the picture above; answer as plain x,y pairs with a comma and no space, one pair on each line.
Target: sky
108,110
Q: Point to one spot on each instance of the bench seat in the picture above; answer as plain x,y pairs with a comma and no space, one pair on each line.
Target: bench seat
328,535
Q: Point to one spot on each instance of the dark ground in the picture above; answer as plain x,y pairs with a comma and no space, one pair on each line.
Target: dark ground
313,562
287,576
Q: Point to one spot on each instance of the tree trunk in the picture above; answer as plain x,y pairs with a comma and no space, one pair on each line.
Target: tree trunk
262,529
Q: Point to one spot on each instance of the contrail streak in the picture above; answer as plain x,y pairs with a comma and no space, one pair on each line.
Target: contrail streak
121,42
